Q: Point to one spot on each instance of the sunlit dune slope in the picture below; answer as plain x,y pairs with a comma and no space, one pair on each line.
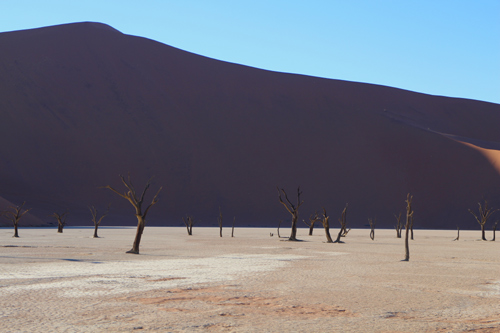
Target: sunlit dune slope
82,103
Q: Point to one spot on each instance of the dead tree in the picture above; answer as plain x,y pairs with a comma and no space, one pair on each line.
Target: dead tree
61,220
458,234
326,225
97,221
372,227
399,225
409,216
232,228
279,224
131,196
292,209
14,214
189,222
484,214
494,229
312,219
343,225
220,222
411,227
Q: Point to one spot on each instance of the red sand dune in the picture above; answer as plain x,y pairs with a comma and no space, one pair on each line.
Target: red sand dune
82,103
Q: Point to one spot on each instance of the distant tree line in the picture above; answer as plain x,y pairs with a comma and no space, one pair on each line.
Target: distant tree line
137,200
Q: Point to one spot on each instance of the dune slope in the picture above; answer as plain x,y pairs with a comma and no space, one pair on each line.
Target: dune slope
82,103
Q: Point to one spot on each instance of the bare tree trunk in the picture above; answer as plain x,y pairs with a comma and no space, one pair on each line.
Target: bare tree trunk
61,220
232,229
372,227
458,234
343,225
187,227
338,237
292,209
326,224
279,224
14,214
16,235
97,221
484,214
328,236
138,235
60,227
312,220
220,222
407,248
293,234
131,196
189,222
494,229
327,232
411,227
409,216
398,225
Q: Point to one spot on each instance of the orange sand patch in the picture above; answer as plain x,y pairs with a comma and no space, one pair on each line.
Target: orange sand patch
492,155
181,300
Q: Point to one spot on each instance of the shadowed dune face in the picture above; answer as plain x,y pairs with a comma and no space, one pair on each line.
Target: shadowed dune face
83,103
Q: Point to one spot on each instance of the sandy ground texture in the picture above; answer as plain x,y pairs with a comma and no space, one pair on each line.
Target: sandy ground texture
253,282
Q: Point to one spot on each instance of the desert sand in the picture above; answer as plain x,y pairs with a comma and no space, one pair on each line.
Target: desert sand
253,282
83,103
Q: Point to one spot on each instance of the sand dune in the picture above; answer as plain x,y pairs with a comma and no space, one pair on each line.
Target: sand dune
83,103
249,283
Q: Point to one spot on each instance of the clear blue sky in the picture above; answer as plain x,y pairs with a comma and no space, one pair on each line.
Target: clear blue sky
440,47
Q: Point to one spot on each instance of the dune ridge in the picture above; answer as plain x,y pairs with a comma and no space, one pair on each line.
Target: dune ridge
82,103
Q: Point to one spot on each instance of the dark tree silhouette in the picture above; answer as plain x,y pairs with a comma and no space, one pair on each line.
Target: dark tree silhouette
399,225
494,229
409,216
343,225
312,219
372,227
131,196
232,228
292,209
326,224
61,220
97,220
411,227
189,222
14,214
220,222
484,214
458,234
